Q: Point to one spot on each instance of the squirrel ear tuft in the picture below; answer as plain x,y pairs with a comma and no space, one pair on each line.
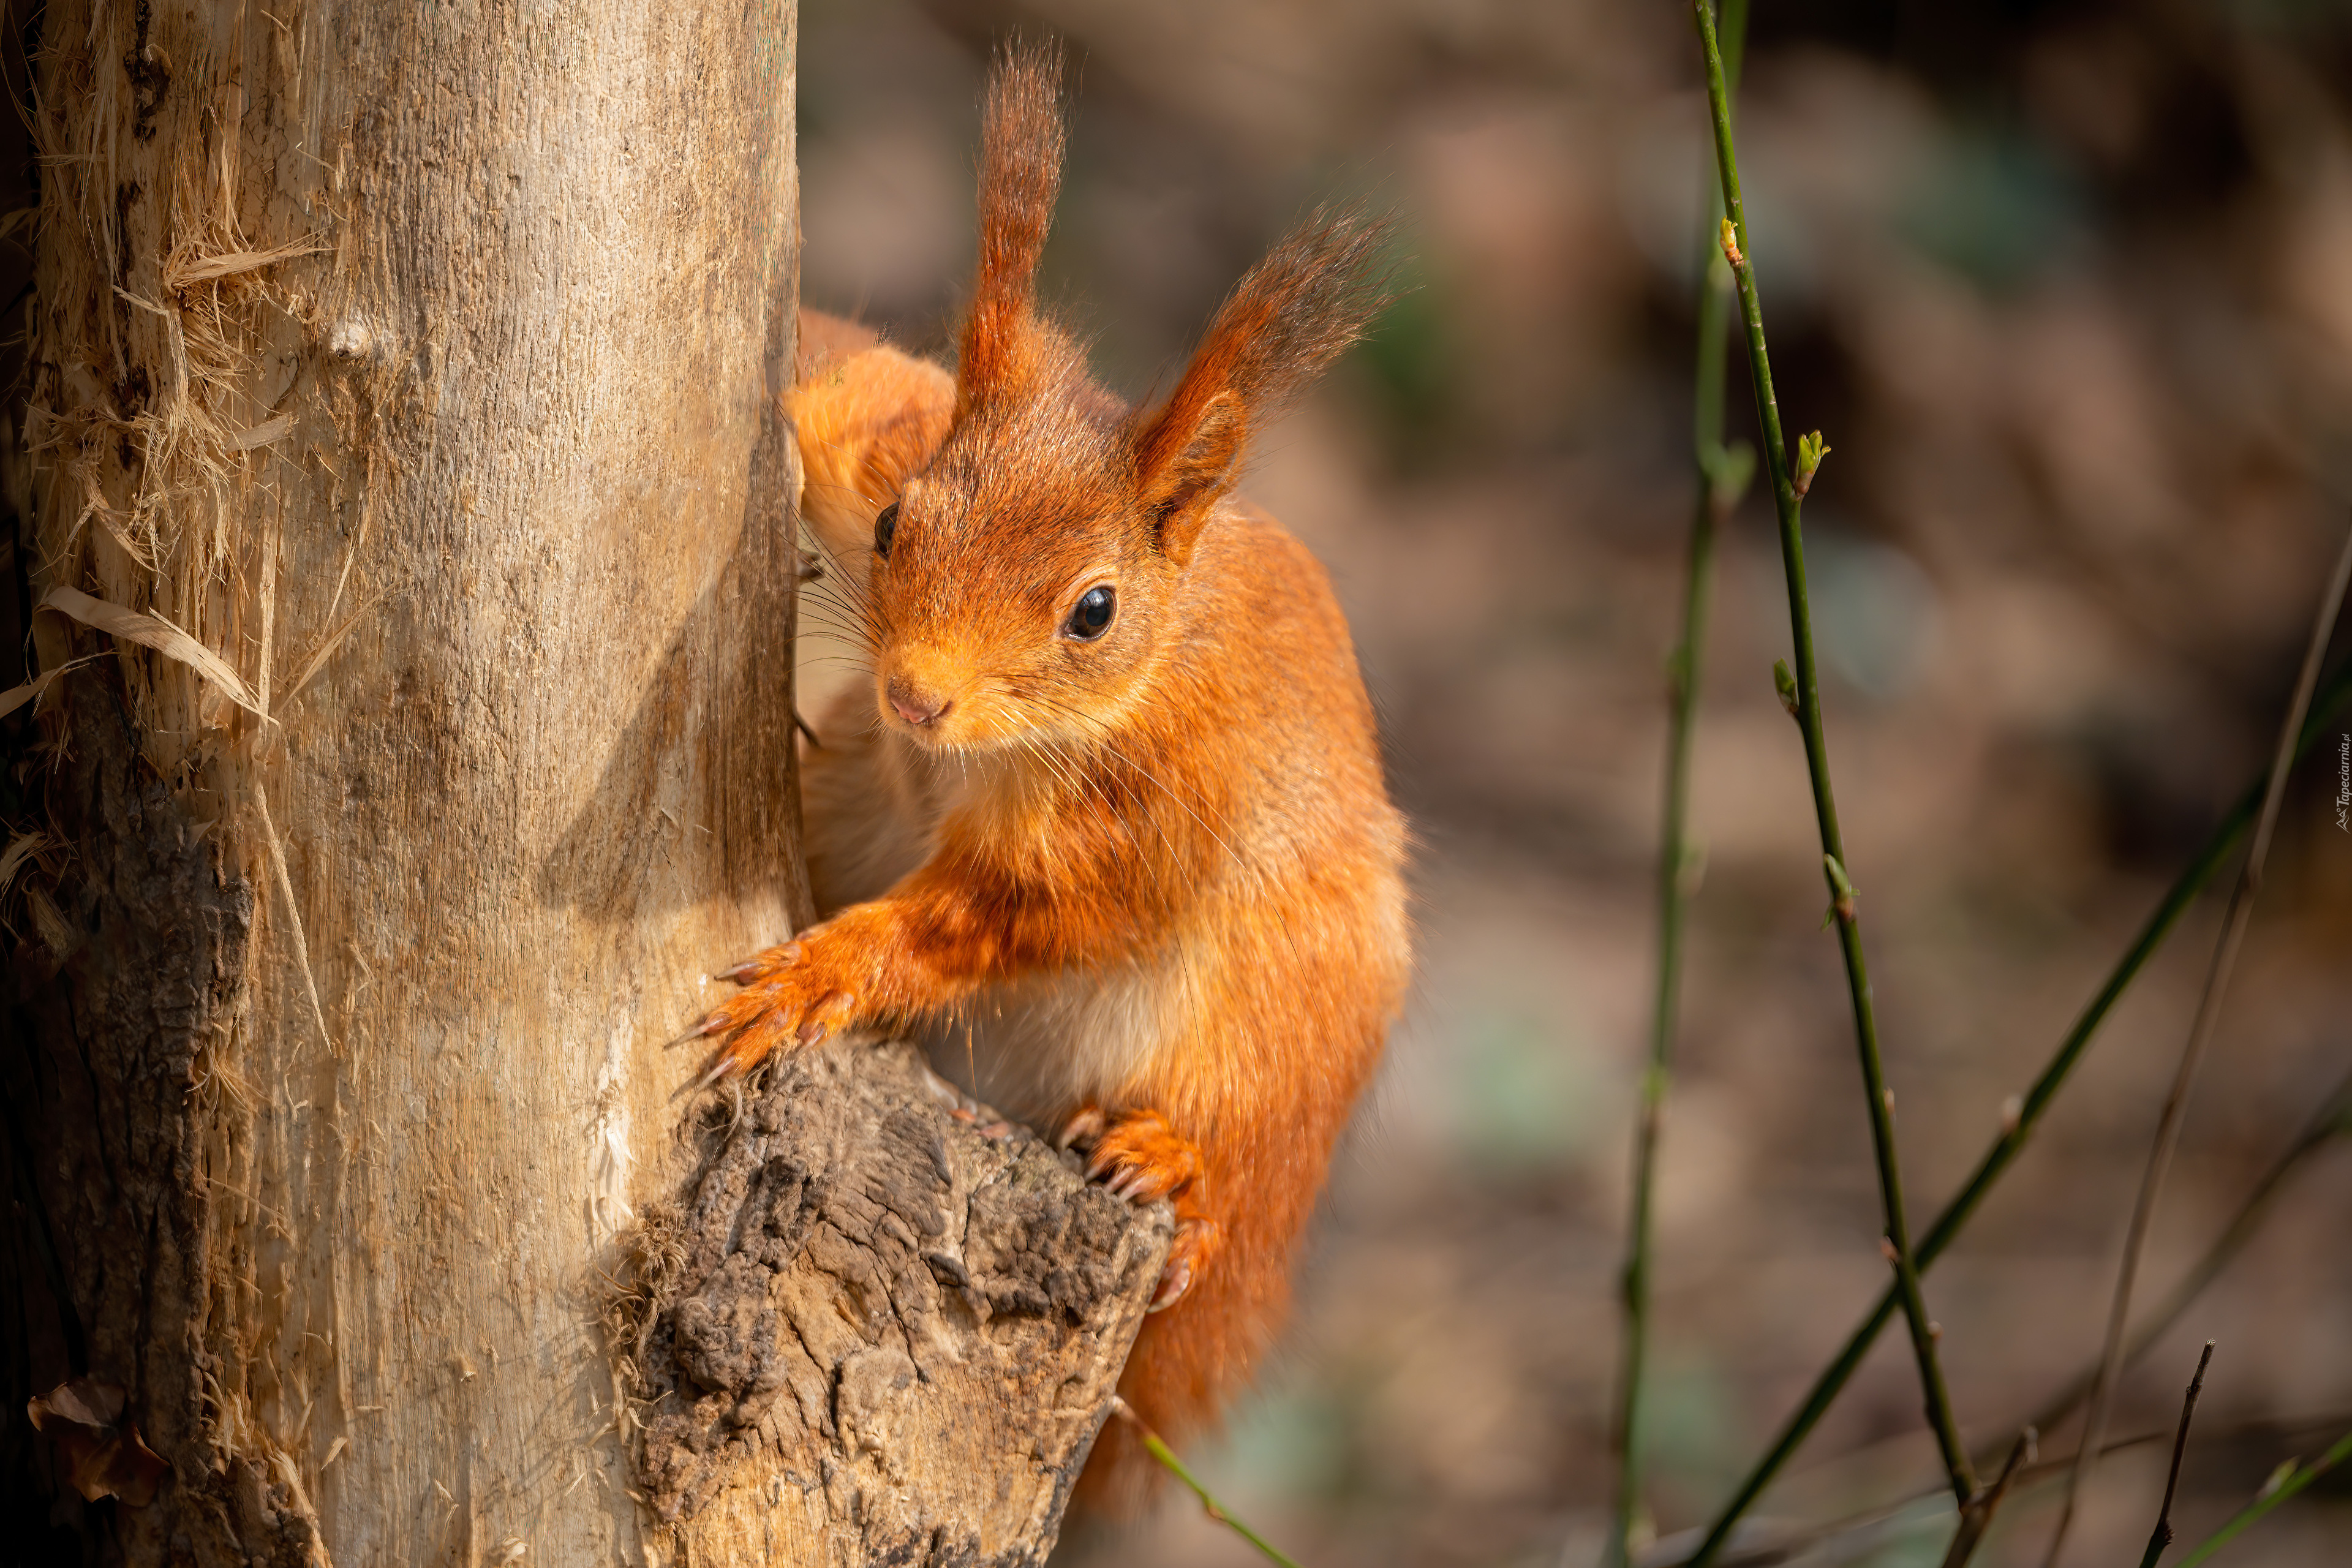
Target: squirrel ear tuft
1020,177
1288,318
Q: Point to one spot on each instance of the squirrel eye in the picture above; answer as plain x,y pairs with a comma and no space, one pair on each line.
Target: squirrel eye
1092,614
885,523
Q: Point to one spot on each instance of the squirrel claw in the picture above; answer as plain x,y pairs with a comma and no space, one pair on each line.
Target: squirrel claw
1082,1131
1197,1241
762,965
779,1008
710,1021
1175,1280
720,1065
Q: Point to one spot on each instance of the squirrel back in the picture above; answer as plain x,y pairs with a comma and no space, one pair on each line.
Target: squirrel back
1108,825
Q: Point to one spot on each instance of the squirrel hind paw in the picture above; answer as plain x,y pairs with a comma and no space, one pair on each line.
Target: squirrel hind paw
1196,1242
1138,1157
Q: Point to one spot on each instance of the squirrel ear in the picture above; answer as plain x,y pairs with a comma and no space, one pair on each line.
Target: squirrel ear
1020,177
1186,459
1290,316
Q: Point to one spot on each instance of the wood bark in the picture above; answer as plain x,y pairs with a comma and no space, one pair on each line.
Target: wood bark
878,1327
417,365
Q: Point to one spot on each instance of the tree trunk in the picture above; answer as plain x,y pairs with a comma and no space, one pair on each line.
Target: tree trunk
414,368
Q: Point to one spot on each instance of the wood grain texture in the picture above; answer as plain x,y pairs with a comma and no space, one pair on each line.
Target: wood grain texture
423,365
420,361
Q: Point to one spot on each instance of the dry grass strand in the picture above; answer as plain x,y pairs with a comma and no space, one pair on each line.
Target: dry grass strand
153,631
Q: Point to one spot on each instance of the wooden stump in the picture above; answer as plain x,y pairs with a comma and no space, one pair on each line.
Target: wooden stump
877,1326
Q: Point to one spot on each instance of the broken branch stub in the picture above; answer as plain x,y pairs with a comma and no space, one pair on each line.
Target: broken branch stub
895,1322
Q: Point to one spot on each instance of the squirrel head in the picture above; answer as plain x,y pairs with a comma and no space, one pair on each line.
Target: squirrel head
1025,580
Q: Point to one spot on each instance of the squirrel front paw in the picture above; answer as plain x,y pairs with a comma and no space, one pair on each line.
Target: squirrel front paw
1138,1157
790,997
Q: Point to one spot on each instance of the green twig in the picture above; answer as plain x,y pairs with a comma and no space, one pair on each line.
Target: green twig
2333,1122
1175,1466
1786,1548
1722,475
2200,1035
2018,1125
2281,1489
1786,499
2161,1537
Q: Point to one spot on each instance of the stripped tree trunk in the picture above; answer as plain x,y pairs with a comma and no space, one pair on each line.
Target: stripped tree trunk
414,369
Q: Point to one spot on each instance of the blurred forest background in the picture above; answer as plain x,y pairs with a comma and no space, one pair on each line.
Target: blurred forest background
2069,287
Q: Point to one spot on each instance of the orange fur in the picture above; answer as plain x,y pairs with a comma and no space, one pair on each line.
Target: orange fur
1148,883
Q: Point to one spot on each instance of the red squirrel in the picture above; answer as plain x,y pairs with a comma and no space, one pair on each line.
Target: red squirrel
1109,823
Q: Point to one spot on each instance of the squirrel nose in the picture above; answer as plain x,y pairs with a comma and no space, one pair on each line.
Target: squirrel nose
917,708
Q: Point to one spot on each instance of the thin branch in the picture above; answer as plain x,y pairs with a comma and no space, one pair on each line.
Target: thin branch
2019,1126
2281,1489
2333,1122
2029,1474
1976,1516
1785,495
1175,1466
2201,1034
1721,476
2162,1535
